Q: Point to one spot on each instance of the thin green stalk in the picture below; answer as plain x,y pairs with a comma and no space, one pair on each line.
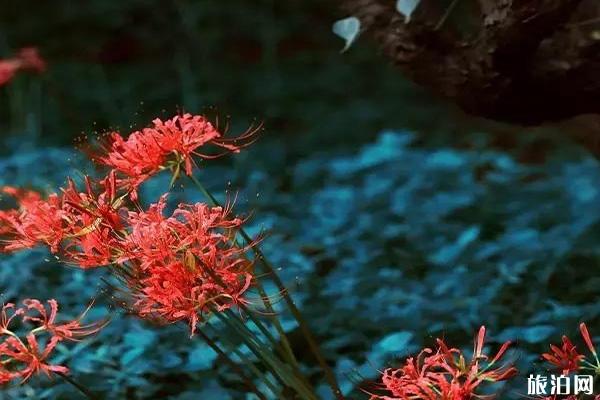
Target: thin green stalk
312,343
258,324
295,367
249,339
263,329
261,290
213,345
82,389
246,361
284,340
246,337
276,366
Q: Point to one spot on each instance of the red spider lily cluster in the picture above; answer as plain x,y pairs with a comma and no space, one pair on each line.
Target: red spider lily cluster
567,360
166,144
27,59
22,356
444,374
187,263
176,267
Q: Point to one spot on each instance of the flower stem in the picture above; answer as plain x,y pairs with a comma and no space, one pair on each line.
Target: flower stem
312,343
85,391
293,364
280,370
232,364
245,360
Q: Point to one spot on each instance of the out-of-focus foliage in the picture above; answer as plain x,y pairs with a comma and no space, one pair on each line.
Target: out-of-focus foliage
384,246
117,64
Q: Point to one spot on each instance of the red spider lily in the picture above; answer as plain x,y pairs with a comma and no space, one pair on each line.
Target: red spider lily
184,265
71,330
31,60
25,358
197,228
84,226
36,221
28,355
444,374
27,59
565,358
166,144
8,69
95,222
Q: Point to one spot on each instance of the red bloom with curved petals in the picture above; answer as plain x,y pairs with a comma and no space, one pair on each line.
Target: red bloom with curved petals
165,144
82,225
565,358
444,374
24,357
35,221
185,265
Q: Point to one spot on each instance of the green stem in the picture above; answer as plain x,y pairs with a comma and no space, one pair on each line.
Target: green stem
264,330
261,290
213,345
294,365
247,362
246,337
279,369
82,389
284,340
312,343
267,334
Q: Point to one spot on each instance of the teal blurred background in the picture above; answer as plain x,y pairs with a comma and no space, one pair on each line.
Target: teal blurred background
394,217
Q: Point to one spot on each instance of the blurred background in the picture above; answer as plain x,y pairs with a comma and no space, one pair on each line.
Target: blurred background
394,217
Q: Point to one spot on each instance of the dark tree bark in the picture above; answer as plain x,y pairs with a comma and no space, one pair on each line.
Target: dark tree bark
530,61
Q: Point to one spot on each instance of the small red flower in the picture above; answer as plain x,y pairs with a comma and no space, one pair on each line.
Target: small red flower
444,374
165,145
82,225
29,355
30,60
8,69
24,358
36,221
566,358
71,330
27,59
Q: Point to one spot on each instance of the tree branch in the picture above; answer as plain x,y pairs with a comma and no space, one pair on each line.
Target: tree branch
523,66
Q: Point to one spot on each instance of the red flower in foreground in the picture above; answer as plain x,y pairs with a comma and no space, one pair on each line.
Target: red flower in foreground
568,360
565,358
444,374
185,265
83,226
166,145
36,221
27,59
24,356
179,267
